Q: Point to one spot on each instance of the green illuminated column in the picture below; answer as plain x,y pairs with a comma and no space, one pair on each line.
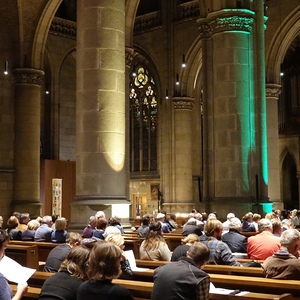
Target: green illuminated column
27,140
100,109
272,94
183,152
233,110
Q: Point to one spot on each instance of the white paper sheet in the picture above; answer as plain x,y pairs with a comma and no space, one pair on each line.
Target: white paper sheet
13,271
130,256
214,290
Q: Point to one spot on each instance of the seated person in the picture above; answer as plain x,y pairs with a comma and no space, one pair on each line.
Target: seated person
90,228
220,253
72,272
236,241
181,250
285,263
43,233
172,221
23,221
191,226
100,275
247,223
166,228
100,228
59,234
59,253
13,232
264,244
118,225
144,228
154,247
28,234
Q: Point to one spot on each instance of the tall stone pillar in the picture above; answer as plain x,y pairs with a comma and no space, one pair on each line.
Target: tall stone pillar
183,154
27,140
232,111
100,110
272,94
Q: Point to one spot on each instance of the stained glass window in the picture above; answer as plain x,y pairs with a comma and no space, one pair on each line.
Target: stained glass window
143,121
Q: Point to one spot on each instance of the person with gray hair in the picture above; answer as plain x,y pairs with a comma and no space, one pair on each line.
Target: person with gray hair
236,241
285,263
43,233
264,244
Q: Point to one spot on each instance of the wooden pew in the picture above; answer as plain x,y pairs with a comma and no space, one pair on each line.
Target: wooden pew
25,255
44,248
142,291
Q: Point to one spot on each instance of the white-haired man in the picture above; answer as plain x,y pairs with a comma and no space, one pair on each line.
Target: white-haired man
285,263
43,233
226,223
233,238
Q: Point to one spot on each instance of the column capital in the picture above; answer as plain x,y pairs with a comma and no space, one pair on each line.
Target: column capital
183,103
273,90
226,20
28,76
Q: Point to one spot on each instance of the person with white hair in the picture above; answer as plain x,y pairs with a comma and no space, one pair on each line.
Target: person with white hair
285,263
100,214
166,228
43,233
226,223
236,241
264,244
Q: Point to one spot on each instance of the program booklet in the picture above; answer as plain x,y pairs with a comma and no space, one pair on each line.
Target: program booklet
13,271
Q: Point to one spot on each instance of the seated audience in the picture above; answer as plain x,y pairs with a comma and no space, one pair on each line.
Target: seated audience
114,222
296,220
233,238
90,228
117,239
247,223
100,228
144,228
166,228
73,271
181,250
59,234
220,253
154,247
183,279
172,221
277,227
104,266
264,244
5,290
285,263
23,221
118,224
43,233
255,219
191,227
226,223
59,253
28,234
13,232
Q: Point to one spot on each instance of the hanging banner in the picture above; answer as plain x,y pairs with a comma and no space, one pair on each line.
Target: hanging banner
56,196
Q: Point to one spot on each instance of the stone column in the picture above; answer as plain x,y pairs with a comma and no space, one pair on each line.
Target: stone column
183,153
272,94
27,140
231,104
100,109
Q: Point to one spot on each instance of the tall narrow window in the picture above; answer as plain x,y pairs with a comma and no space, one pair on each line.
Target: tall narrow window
143,121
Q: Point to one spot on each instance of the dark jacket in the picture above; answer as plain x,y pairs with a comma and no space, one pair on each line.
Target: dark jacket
177,280
235,241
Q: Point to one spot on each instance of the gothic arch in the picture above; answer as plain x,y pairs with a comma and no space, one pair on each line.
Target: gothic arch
130,12
41,33
288,30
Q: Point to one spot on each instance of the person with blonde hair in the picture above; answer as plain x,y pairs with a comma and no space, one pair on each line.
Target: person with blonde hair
104,266
72,272
117,239
182,249
28,234
154,247
59,234
220,252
